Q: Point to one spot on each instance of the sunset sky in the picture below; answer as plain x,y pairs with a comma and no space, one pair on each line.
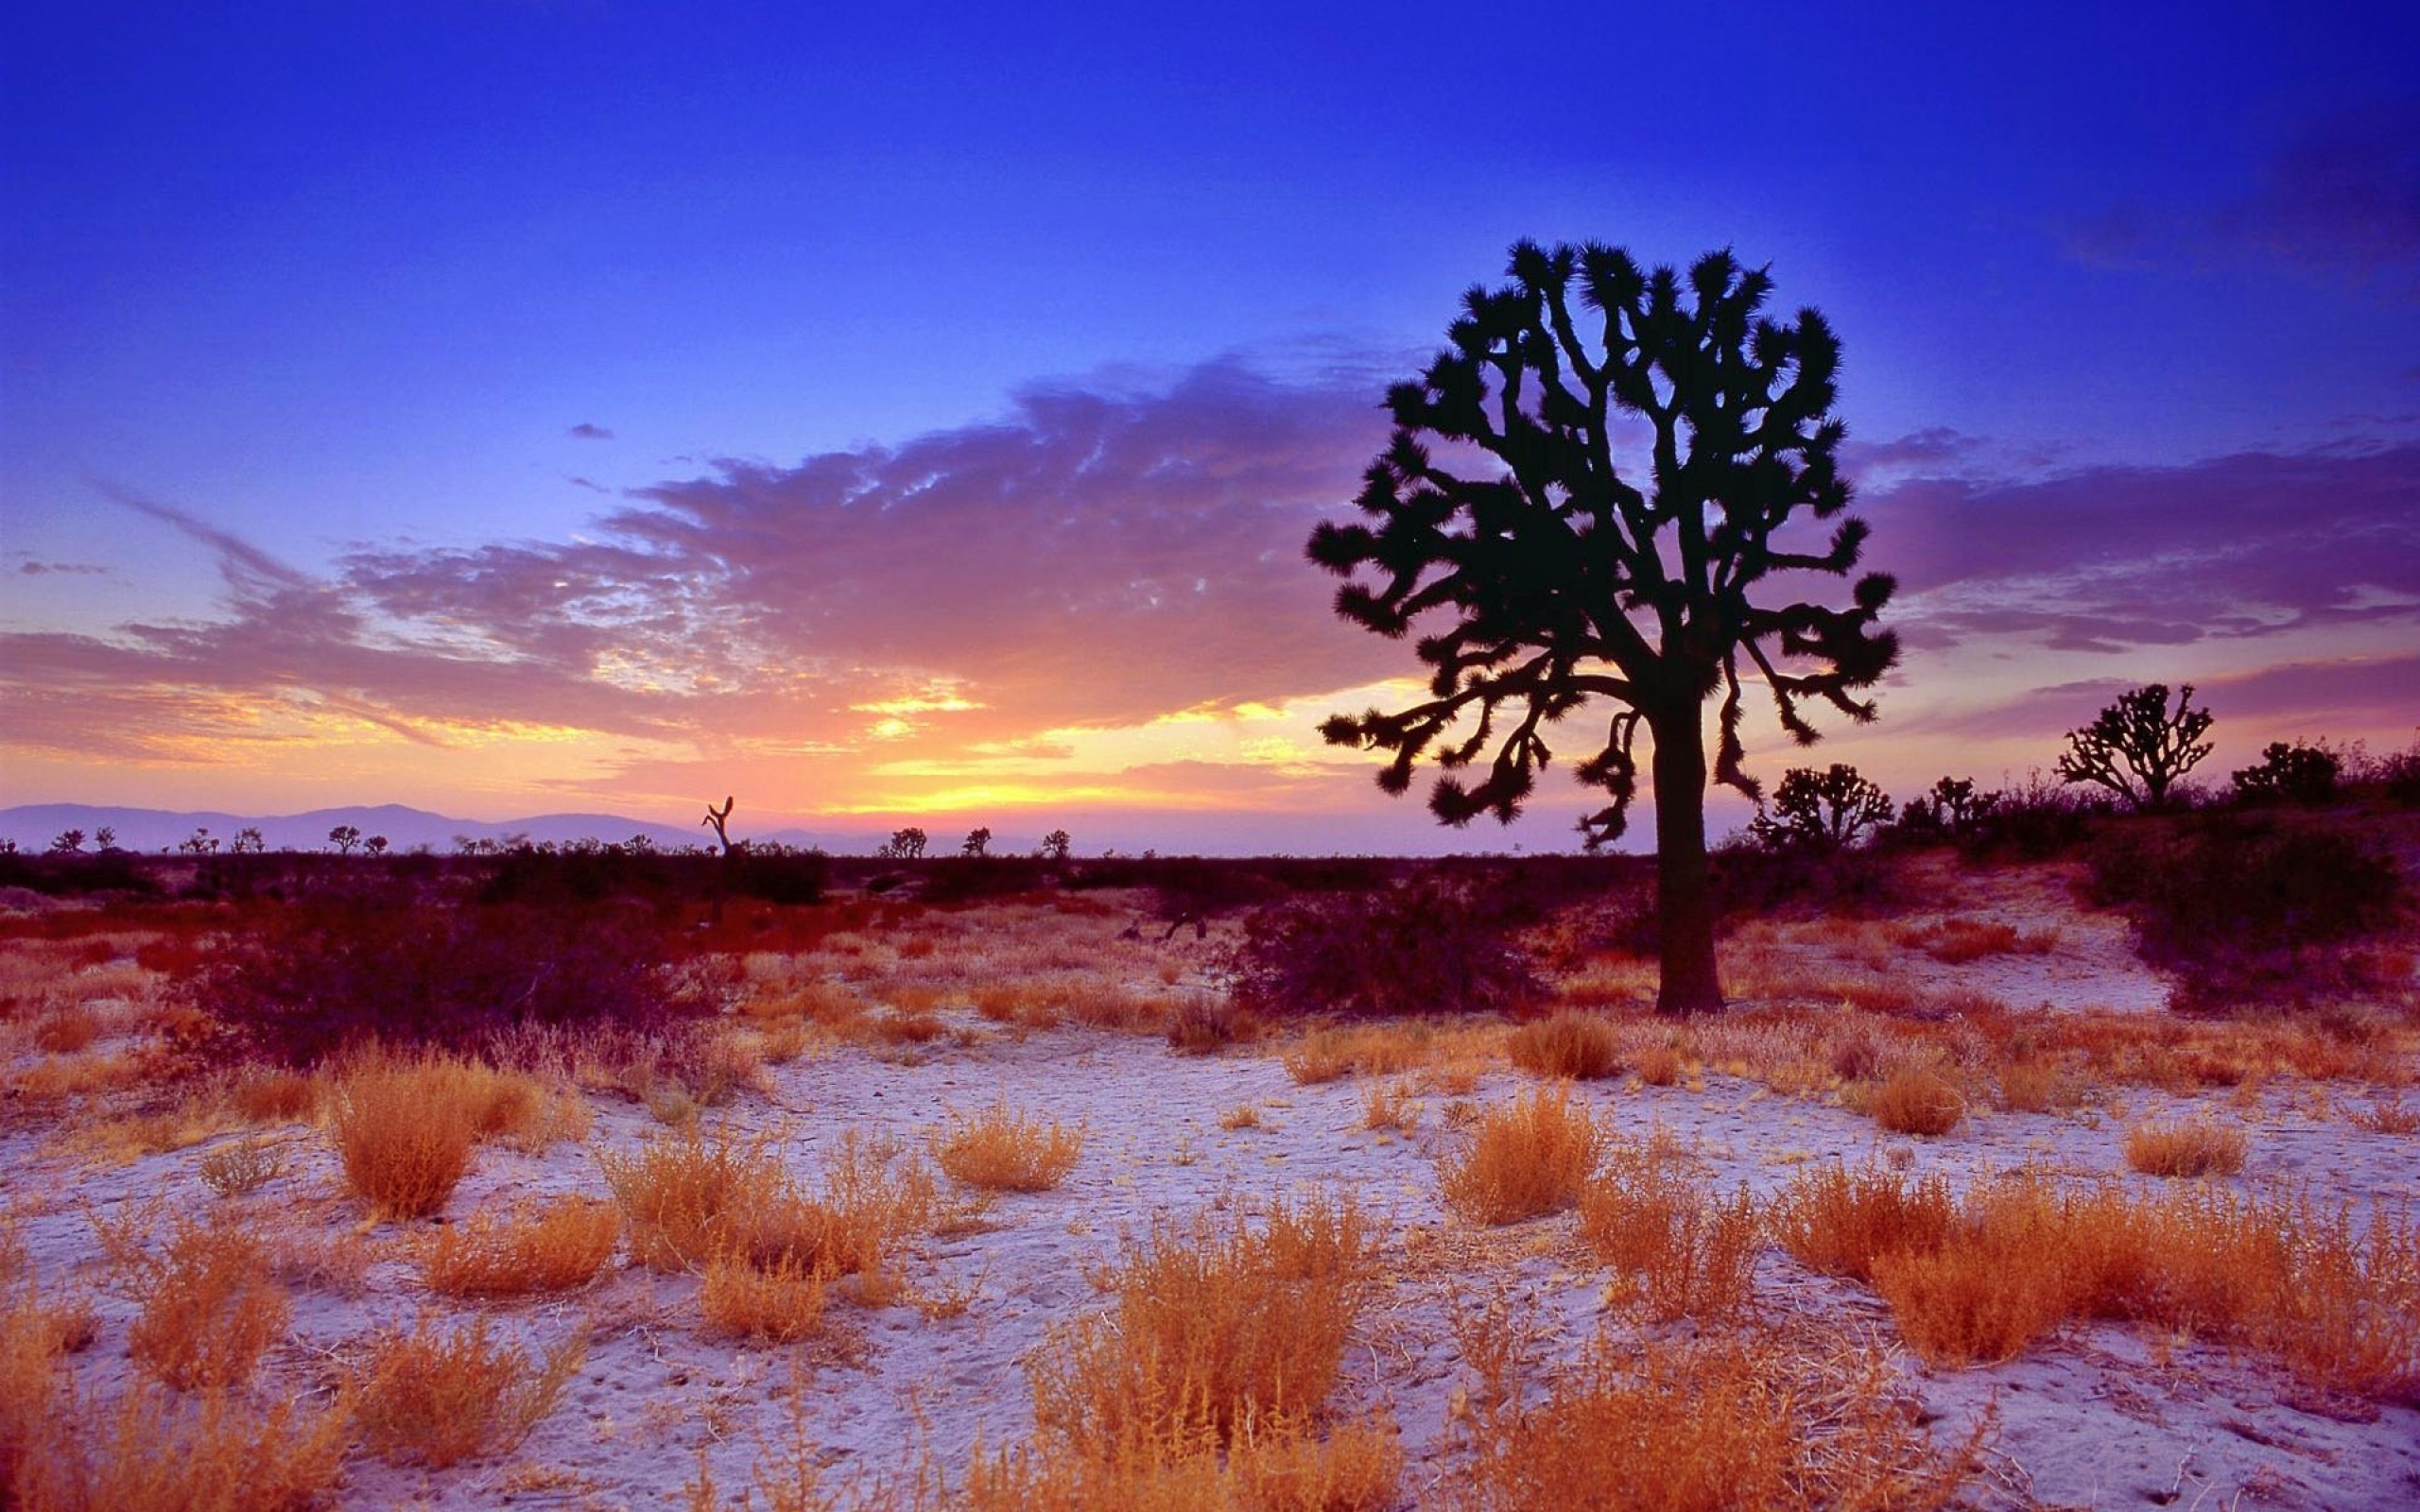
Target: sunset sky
890,415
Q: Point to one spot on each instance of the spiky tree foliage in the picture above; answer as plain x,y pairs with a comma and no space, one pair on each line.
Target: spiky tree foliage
2137,748
905,845
1055,845
977,841
1828,809
344,837
1648,438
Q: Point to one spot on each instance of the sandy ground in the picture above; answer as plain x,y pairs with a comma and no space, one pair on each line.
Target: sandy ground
2098,1417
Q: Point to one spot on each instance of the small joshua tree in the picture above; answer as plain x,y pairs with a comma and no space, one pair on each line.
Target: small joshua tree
1829,810
977,841
375,845
106,837
720,820
70,843
344,837
1055,845
2137,748
907,845
200,842
247,842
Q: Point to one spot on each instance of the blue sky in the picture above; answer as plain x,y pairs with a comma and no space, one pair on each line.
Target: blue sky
320,288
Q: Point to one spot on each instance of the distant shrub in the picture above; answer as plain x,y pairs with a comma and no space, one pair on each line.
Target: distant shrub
2233,900
2289,773
371,965
2190,1148
1527,1158
1423,946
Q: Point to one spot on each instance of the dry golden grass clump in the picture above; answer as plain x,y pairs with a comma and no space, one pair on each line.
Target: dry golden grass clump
1527,1158
441,1395
1916,1100
1214,1331
1572,1044
160,1451
776,1303
36,1333
1679,1249
1389,1106
1753,1420
2191,1147
1837,1220
241,1166
1329,1052
555,1247
210,1307
1001,1149
1279,1466
692,1205
404,1131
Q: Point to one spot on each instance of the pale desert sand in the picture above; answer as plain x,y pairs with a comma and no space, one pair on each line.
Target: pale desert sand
2094,1417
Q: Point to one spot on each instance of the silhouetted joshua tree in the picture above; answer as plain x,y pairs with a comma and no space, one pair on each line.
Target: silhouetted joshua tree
907,845
1829,810
2303,774
1567,576
344,837
2136,748
69,843
720,820
1055,845
977,841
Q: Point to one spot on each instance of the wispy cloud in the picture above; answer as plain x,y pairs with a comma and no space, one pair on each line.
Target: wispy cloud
2339,200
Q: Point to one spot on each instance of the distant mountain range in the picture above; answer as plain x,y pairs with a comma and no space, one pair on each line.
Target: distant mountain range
34,826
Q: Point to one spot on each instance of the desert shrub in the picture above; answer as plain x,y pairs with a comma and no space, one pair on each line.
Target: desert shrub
36,1335
405,1130
2229,900
966,879
791,879
1527,1158
686,1201
1200,1026
2190,1148
158,1452
210,1307
530,1250
442,1395
1679,1250
1214,1328
1752,1421
1915,1100
240,1166
2289,773
1422,946
1280,1465
1837,1220
373,965
1580,1046
1001,1149
777,1303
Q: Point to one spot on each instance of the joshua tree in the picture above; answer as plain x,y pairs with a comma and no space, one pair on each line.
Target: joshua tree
344,837
1828,809
2136,749
247,841
1562,577
200,842
375,845
720,820
906,844
70,843
1055,845
977,841
106,837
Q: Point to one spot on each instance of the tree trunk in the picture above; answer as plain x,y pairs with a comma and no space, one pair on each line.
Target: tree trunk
1685,894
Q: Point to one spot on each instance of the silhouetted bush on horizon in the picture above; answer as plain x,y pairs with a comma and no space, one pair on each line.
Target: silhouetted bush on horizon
1427,945
399,967
2242,904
